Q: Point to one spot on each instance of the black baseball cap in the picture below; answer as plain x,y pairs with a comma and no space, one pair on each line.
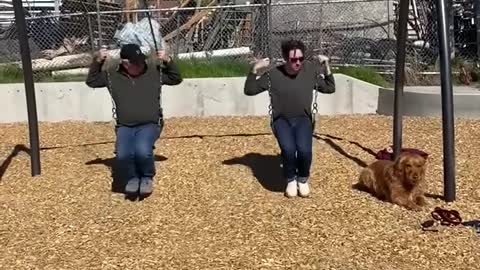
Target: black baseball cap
132,53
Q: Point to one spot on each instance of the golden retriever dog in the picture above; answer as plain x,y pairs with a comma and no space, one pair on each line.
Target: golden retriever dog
401,182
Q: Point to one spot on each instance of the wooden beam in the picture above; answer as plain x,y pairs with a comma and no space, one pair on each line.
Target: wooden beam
194,19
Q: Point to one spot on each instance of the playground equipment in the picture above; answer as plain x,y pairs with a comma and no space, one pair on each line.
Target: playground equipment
446,86
447,93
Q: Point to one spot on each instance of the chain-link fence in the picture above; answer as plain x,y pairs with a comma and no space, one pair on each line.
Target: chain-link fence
357,35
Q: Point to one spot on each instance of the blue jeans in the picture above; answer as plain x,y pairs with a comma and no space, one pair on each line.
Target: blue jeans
294,136
134,150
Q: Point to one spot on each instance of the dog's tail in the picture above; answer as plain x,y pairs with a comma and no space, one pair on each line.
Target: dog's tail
365,181
360,187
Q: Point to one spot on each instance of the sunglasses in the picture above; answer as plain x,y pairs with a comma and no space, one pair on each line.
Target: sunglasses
295,59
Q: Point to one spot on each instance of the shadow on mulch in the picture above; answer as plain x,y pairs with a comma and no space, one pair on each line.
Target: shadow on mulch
435,196
23,148
200,136
118,182
266,168
16,150
342,152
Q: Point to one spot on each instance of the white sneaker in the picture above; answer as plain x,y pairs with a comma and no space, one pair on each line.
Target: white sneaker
303,189
291,190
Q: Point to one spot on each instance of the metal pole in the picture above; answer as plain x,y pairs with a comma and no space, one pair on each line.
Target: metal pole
177,37
156,50
99,22
477,25
451,29
57,7
90,28
151,26
270,30
29,87
388,16
399,76
447,104
90,32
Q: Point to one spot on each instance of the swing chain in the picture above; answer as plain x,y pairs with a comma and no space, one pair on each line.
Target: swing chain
160,120
109,87
160,109
270,106
315,105
114,110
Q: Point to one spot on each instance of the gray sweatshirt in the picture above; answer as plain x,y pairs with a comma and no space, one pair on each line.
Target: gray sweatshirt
136,99
292,96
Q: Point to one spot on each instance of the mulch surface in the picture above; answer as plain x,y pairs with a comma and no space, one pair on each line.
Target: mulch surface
219,204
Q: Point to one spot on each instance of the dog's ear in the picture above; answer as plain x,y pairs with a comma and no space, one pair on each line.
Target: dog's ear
399,163
423,160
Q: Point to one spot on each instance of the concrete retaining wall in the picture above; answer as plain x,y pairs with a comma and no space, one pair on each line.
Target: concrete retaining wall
66,101
427,101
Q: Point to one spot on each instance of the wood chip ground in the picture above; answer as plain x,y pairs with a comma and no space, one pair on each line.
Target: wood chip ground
218,201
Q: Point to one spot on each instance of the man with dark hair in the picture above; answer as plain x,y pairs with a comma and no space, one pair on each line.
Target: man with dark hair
291,44
290,86
134,84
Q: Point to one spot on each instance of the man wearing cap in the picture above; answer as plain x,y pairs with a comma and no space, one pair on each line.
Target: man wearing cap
134,84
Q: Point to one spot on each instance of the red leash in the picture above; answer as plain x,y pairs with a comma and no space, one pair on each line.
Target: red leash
387,153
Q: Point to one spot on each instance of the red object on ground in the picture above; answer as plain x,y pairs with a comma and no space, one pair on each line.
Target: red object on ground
387,153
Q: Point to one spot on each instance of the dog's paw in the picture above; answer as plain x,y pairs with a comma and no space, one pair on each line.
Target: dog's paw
421,201
417,208
413,207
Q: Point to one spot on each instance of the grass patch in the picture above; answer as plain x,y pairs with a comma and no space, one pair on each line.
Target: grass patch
365,74
192,68
14,74
64,78
11,74
189,68
205,68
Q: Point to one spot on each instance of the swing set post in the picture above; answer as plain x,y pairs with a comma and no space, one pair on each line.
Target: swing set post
29,87
447,104
399,76
446,88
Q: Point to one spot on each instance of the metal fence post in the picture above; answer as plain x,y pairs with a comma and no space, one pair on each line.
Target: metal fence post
477,26
100,41
177,37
